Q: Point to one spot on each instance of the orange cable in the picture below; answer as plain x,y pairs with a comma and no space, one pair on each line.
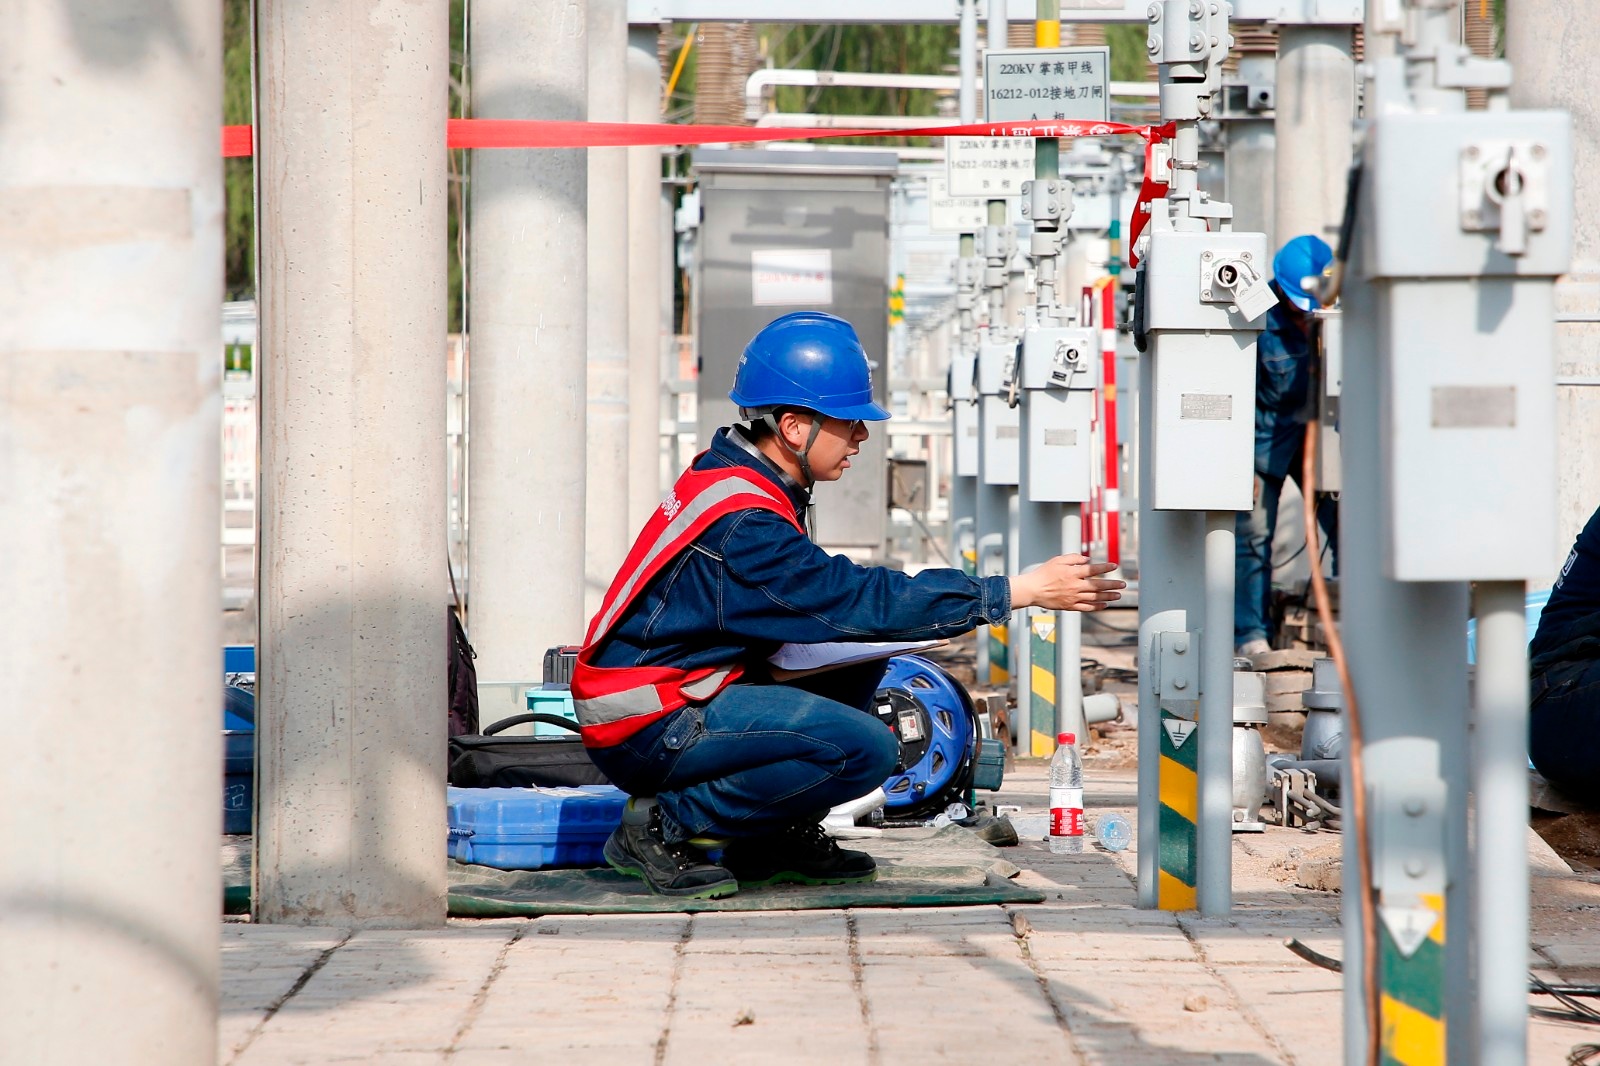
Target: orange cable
1357,801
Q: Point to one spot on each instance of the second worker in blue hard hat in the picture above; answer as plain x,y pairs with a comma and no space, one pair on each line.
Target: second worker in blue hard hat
1284,406
676,699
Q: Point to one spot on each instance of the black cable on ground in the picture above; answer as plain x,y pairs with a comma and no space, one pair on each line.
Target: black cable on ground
1577,1011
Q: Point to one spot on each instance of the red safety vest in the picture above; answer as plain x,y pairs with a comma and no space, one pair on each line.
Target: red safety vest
613,703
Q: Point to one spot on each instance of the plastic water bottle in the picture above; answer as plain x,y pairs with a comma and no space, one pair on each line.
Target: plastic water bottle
1113,831
1066,797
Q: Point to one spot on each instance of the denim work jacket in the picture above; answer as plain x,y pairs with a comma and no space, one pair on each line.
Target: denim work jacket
752,582
1569,627
1283,394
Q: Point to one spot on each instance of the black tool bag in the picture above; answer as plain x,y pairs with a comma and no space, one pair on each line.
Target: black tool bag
462,679
489,761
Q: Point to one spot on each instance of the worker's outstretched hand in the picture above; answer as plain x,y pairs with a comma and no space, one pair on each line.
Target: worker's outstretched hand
1066,583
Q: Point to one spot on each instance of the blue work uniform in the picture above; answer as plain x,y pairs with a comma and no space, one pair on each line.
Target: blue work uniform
761,756
1284,405
1564,662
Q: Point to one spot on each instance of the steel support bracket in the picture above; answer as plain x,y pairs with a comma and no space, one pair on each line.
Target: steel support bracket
1408,803
1177,676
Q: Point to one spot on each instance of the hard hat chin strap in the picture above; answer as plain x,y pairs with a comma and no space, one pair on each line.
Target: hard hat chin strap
800,454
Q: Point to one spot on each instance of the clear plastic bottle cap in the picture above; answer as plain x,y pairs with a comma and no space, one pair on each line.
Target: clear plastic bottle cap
1066,738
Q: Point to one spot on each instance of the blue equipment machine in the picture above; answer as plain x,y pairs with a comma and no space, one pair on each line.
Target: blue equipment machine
942,752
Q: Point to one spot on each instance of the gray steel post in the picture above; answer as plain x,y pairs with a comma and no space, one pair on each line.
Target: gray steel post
1500,791
1197,476
1542,40
967,61
1171,570
645,295
109,496
1409,679
994,33
606,496
1069,642
1251,157
529,338
1315,101
350,687
1465,974
1215,885
995,503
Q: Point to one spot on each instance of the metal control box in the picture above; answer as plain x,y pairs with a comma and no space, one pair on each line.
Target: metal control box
1202,445
1002,432
1205,294
788,232
1058,376
995,365
1469,429
966,444
1001,454
963,403
1060,446
1450,181
1474,222
1190,287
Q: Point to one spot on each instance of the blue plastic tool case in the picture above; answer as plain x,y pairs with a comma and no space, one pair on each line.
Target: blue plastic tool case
533,828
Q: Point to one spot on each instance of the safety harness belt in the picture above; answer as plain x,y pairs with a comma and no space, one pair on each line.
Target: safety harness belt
613,703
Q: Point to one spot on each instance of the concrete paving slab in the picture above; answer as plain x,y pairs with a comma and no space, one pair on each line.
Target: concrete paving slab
1090,978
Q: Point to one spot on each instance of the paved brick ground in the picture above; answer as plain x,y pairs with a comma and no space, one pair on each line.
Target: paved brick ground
1082,978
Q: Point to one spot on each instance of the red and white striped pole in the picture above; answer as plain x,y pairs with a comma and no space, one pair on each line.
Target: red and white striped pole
1108,364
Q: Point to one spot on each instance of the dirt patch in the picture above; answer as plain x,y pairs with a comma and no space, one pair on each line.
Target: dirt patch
1574,837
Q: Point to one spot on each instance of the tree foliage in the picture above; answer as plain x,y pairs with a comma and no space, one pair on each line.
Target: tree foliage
238,179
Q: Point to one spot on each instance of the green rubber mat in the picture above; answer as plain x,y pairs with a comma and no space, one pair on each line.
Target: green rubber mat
947,867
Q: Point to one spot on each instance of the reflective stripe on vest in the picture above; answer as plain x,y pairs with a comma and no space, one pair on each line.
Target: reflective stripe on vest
613,703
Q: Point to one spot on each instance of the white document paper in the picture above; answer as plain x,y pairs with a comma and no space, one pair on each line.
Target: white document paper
798,657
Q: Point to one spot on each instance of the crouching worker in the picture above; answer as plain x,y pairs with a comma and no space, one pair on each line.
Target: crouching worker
1564,703
673,690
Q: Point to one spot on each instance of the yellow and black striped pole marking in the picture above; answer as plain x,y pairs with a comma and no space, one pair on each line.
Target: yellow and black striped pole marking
999,655
1411,999
1179,788
1042,678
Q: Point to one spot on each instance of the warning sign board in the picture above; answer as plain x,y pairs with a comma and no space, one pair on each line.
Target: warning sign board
990,168
1040,84
952,214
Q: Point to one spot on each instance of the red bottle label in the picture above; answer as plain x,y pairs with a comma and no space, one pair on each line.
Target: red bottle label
1066,821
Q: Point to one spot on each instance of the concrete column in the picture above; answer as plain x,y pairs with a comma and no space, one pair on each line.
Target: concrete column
529,338
1250,161
610,313
1543,41
1315,97
111,255
351,680
644,286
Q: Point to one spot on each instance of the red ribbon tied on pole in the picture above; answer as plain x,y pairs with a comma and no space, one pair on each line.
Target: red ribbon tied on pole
1150,190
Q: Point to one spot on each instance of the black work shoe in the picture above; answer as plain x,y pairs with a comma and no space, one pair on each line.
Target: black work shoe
801,855
637,848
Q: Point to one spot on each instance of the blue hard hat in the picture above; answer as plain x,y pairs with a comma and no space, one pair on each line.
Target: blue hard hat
1304,257
807,359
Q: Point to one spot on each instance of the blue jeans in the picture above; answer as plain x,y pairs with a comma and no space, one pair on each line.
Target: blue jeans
1564,728
759,757
1252,568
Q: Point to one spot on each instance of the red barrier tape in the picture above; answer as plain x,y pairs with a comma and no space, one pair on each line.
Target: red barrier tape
239,141
537,133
